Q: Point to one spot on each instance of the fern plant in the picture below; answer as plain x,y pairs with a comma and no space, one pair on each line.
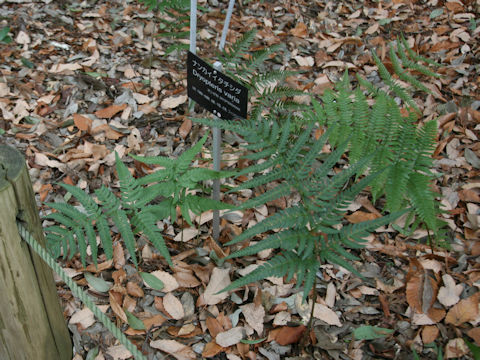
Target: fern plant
377,138
135,212
310,232
404,148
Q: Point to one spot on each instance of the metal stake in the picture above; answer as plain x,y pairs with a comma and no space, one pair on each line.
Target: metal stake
216,132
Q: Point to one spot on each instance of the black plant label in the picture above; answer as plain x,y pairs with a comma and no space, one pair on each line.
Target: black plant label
214,91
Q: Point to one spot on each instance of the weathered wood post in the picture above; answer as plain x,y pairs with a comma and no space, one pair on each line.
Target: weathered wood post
31,320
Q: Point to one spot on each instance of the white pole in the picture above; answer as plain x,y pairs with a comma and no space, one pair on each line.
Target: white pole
217,133
193,26
227,24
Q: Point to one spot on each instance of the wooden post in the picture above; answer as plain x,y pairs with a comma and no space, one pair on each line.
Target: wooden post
31,320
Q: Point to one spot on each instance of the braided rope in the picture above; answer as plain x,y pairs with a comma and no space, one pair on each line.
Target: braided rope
78,292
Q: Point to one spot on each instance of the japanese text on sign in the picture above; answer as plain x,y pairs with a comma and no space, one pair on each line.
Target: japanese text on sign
214,91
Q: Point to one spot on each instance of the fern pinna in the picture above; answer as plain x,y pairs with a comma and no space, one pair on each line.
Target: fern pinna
306,234
141,204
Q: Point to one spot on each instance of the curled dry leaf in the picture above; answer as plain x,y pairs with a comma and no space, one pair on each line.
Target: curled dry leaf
421,291
185,128
116,307
118,255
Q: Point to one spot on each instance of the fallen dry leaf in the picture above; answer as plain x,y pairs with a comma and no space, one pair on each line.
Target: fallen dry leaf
65,68
429,334
118,255
186,280
155,320
326,314
287,335
449,294
134,290
116,307
213,326
300,30
219,279
168,280
456,348
465,310
174,348
82,122
421,291
173,101
185,128
230,337
83,317
110,111
475,335
173,306
211,349
119,352
254,315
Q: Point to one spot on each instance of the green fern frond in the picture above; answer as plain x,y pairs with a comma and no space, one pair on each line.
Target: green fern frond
120,219
402,52
278,266
422,199
402,74
392,84
261,81
154,160
292,154
416,56
260,180
249,67
294,217
270,195
286,240
356,232
144,222
327,255
183,162
233,55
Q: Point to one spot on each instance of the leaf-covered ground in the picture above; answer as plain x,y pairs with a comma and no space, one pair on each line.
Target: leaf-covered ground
81,80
